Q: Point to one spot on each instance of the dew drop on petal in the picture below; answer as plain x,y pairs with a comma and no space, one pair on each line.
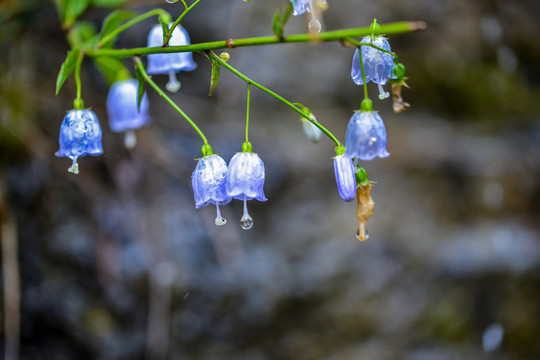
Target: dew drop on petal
246,222
372,141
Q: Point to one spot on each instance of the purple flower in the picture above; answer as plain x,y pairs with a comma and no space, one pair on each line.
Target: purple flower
208,180
377,64
80,134
345,177
122,106
173,62
245,181
365,138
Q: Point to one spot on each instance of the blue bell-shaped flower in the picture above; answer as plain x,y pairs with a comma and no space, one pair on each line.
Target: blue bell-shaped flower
365,138
208,180
245,181
301,6
378,65
80,134
345,177
170,63
123,112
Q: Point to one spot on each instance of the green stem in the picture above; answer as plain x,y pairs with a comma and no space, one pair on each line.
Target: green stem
129,24
175,24
270,92
363,72
78,104
183,2
149,80
337,35
358,44
247,110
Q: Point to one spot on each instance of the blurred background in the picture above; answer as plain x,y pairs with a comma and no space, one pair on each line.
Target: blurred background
116,263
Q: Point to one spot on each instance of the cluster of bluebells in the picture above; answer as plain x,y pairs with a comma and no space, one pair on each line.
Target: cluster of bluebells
215,183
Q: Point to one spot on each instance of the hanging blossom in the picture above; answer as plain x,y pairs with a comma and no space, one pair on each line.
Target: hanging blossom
80,134
208,180
311,6
365,138
170,63
344,170
245,181
124,114
312,132
378,65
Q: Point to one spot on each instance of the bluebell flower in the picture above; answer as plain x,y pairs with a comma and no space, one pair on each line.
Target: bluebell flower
80,134
345,178
245,181
170,63
208,180
365,138
123,112
378,65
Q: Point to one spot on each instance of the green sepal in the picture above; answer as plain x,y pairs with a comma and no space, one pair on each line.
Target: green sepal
112,22
206,150
361,176
214,77
367,105
398,72
108,3
375,28
78,104
67,68
279,20
140,89
247,147
112,69
83,35
340,150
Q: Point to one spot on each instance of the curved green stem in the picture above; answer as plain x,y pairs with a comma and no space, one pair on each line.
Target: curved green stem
149,80
78,104
270,92
363,72
183,2
337,35
358,44
247,110
175,24
129,24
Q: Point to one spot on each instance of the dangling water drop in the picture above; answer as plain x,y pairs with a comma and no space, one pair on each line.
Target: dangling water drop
220,220
173,85
74,168
246,222
383,94
315,25
171,1
362,234
130,139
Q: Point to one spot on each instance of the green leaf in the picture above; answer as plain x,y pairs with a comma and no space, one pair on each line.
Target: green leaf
277,27
108,3
72,9
112,69
82,35
67,68
140,92
112,22
214,78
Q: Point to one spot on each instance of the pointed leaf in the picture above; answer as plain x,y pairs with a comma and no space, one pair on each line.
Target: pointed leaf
140,92
72,10
277,27
67,68
214,78
112,22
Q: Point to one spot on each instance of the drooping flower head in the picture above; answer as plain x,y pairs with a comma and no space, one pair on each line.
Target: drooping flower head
208,180
245,181
80,134
312,132
170,63
124,115
365,138
344,170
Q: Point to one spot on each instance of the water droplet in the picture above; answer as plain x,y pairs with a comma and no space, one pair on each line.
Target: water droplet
372,140
492,337
314,26
220,221
130,139
246,222
173,85
171,1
